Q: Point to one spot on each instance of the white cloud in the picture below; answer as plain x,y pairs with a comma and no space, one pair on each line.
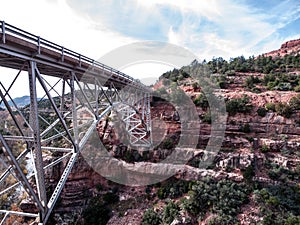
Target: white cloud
57,22
235,28
207,8
173,37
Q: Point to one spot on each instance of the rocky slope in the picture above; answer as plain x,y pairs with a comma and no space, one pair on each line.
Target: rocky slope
269,143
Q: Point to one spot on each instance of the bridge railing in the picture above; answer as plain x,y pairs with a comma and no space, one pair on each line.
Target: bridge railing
7,29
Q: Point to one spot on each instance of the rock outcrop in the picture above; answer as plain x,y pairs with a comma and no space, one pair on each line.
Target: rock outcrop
289,47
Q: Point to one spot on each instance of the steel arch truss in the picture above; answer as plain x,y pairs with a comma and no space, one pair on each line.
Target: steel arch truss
52,130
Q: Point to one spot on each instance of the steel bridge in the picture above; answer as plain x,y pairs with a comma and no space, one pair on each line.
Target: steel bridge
56,127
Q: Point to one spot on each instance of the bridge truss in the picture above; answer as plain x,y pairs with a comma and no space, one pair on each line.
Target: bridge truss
77,93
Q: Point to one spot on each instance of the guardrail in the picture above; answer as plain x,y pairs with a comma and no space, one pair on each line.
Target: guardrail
41,42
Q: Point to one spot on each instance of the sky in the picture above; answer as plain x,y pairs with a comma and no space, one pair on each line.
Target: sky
207,28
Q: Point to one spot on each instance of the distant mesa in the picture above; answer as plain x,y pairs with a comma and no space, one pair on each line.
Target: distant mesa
20,102
288,48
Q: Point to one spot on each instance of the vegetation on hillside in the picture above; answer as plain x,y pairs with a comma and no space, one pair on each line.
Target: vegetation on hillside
220,201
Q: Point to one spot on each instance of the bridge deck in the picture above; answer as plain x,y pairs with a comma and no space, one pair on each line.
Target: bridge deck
18,46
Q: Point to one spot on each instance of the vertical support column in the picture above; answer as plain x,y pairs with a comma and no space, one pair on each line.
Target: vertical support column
36,148
96,99
74,112
144,102
148,119
62,102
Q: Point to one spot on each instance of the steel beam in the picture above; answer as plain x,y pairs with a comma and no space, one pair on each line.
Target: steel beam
36,148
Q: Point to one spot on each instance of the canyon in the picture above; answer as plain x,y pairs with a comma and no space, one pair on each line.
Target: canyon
265,142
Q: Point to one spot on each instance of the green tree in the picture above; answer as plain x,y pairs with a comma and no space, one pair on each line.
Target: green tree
248,173
261,111
201,101
242,105
96,213
151,218
171,212
295,102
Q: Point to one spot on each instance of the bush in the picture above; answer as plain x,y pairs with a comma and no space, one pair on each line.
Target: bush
270,106
264,149
280,204
283,86
96,213
295,102
250,81
168,143
230,73
297,88
245,128
283,109
171,212
241,105
151,218
248,173
173,188
110,198
268,78
166,82
195,85
207,117
272,84
261,111
223,197
201,101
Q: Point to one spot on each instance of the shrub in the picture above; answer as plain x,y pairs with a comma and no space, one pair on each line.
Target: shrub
171,211
96,213
261,111
295,102
151,218
110,198
207,117
297,88
283,86
241,105
245,128
248,173
223,197
272,84
166,82
168,143
268,78
270,106
283,109
230,73
195,85
264,148
250,81
201,101
256,90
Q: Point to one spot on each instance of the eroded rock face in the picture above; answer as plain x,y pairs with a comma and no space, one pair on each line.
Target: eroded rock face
289,47
78,188
240,160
